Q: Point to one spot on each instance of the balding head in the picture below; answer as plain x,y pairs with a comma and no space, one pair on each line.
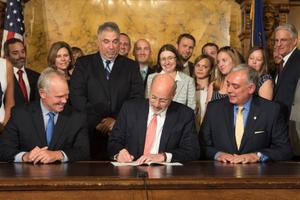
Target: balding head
142,52
162,92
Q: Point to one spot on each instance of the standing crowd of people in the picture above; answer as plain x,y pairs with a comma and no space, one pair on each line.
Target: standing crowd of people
106,106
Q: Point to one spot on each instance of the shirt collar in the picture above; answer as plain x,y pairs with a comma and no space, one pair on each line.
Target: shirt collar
45,110
246,106
285,58
17,69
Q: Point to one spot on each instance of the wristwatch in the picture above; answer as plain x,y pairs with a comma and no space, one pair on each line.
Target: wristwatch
262,157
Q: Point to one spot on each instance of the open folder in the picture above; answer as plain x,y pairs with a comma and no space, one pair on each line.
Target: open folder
117,164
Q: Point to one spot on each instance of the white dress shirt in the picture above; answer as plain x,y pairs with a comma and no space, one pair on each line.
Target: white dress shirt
160,123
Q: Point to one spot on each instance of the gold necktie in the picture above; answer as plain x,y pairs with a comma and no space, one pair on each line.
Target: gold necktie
239,126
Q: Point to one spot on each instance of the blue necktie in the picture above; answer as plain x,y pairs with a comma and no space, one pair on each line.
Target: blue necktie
107,69
50,127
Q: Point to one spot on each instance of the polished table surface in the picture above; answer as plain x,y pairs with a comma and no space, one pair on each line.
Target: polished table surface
202,176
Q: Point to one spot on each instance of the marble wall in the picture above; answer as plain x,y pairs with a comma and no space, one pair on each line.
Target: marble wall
159,21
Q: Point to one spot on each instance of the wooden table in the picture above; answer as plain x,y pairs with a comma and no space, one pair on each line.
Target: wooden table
196,180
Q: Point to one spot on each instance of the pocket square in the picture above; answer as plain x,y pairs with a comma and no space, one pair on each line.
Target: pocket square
258,132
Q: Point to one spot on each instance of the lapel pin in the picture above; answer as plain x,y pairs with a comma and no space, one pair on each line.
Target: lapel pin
254,117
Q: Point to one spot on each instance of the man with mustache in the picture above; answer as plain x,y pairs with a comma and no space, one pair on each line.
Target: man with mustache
25,89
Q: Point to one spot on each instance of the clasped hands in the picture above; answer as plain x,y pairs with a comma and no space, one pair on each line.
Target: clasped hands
125,156
42,155
237,159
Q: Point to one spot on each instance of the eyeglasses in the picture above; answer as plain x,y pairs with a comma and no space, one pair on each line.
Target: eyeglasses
160,100
171,58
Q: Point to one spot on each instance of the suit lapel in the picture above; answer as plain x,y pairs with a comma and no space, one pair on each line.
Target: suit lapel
285,68
229,121
58,132
253,116
142,118
167,127
179,84
38,122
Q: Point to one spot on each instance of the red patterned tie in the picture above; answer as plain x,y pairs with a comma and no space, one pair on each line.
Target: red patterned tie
150,135
22,85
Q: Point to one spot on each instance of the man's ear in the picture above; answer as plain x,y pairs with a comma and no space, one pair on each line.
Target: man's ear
252,88
42,93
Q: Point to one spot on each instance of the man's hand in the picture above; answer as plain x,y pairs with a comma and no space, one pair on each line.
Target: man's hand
157,158
31,155
42,155
246,158
124,156
45,156
106,125
225,157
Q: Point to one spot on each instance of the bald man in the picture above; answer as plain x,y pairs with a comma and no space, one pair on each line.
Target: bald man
142,54
175,137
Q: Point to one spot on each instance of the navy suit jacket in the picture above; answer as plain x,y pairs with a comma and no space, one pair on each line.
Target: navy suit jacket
265,130
285,87
178,137
33,77
25,130
100,98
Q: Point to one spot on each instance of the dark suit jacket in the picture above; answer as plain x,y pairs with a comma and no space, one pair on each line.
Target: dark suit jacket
91,92
284,89
191,68
25,130
151,70
178,137
33,77
265,130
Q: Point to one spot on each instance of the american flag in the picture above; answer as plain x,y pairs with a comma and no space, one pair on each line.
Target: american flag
13,21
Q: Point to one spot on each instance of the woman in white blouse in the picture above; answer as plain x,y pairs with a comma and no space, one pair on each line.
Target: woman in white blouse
168,61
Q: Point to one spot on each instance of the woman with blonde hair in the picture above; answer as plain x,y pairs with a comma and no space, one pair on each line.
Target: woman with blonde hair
227,59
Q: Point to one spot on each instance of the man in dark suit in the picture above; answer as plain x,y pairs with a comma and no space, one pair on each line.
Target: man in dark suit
15,52
101,83
174,136
46,131
185,47
244,128
286,38
142,54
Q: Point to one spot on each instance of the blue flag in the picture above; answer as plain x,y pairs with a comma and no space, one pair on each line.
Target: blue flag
257,34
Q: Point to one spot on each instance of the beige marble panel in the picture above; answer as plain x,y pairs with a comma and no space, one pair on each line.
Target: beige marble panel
159,21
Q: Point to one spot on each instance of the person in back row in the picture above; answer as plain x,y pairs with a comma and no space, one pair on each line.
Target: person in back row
168,61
